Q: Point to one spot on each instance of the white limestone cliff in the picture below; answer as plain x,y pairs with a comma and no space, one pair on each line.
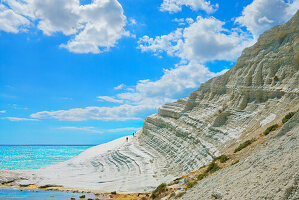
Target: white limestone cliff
184,135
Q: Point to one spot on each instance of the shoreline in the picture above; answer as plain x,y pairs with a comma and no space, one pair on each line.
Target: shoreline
97,193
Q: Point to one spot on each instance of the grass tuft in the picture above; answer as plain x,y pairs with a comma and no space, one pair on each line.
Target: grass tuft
213,167
202,176
287,117
222,158
244,145
270,128
160,189
191,184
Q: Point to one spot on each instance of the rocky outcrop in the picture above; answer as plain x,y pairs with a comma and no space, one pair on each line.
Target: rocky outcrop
184,135
270,172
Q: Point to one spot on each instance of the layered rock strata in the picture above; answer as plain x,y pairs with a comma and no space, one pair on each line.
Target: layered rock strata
270,172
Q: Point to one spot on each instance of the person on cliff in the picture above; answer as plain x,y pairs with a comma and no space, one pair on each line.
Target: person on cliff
127,139
133,134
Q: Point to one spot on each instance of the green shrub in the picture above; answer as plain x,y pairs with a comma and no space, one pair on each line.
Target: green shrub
222,158
244,145
287,117
202,167
191,184
270,128
213,167
160,189
202,176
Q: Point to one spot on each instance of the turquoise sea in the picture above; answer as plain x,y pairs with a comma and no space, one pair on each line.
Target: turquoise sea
14,157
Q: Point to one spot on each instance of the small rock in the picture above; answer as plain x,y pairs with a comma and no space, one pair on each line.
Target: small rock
73,198
82,197
114,192
216,195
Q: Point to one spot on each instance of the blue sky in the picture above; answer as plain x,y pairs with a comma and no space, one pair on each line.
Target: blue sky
88,72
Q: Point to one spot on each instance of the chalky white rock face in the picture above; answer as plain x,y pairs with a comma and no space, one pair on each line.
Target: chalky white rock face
270,172
187,134
120,165
263,84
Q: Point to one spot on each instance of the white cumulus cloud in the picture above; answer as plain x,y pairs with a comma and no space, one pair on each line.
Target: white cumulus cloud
261,15
117,113
119,87
170,43
204,40
20,119
10,21
109,99
93,27
174,6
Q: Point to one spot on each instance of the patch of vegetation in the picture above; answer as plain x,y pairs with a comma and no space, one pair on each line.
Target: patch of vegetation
222,158
287,117
270,128
202,176
159,190
213,167
202,167
171,183
180,194
191,184
244,145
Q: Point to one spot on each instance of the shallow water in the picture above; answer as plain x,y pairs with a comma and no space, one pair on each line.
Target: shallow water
13,157
9,194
